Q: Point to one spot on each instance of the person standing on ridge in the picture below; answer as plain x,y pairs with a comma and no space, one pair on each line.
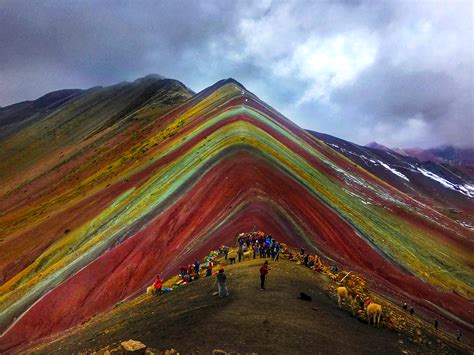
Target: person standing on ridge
263,273
197,268
158,284
222,283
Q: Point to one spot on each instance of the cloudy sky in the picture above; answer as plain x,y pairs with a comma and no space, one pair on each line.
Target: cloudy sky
399,73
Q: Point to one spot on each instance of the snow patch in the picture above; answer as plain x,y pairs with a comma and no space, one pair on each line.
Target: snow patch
374,162
467,190
396,172
467,225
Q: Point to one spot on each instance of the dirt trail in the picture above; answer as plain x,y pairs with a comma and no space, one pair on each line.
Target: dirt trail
273,321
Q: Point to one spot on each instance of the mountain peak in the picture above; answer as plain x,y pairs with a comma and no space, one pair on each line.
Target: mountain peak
376,145
150,77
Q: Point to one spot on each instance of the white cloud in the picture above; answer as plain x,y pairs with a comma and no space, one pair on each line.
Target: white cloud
413,132
288,46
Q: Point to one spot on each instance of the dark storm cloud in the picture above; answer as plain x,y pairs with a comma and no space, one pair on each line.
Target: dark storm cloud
396,72
53,44
392,93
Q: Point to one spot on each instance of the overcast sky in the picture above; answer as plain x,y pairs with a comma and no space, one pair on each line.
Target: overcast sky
399,73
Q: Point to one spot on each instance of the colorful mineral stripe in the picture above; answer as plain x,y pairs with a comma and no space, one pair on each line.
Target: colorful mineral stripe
92,210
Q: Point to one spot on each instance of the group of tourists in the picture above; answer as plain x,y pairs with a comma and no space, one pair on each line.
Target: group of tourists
313,262
261,244
191,272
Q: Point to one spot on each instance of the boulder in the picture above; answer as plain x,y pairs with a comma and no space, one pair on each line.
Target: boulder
133,347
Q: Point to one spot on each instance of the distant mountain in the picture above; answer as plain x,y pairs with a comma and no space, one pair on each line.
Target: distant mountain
15,116
445,184
449,154
376,145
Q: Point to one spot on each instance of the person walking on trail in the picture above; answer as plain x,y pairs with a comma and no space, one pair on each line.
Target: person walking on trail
263,273
277,251
158,284
222,283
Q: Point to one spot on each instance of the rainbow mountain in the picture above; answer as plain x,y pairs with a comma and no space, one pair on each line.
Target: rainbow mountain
101,189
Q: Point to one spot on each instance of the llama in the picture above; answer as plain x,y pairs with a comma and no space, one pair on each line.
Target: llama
374,311
342,294
247,254
151,290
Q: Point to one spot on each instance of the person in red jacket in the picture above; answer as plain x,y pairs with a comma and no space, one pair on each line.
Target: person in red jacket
263,273
158,284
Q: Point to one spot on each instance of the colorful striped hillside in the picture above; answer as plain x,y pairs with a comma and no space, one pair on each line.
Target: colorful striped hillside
114,185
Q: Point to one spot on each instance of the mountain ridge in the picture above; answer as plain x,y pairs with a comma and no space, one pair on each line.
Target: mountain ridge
183,175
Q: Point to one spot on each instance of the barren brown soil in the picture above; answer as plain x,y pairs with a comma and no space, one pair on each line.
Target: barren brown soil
273,321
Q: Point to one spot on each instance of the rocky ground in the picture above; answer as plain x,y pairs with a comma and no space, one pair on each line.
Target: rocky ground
275,321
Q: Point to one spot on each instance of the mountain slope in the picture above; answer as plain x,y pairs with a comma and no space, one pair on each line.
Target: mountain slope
275,321
89,219
16,116
439,185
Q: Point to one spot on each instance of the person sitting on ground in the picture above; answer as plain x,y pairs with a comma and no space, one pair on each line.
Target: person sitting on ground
318,267
306,260
222,283
263,273
158,284
183,271
209,270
